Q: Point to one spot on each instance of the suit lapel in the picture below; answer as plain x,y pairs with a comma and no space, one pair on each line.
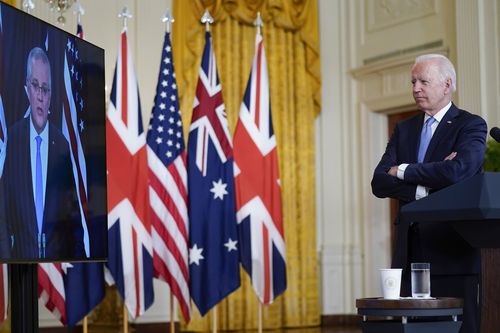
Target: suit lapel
441,130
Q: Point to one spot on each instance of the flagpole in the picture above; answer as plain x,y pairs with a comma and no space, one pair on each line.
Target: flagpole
172,326
85,326
258,23
214,319
125,319
207,19
259,310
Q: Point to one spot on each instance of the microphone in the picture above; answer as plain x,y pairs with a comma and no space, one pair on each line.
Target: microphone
495,133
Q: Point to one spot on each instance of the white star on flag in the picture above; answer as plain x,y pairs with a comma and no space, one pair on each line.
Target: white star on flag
231,245
65,266
195,255
219,189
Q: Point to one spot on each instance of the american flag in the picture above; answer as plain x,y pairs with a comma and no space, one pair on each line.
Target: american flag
168,185
258,194
129,228
213,254
51,289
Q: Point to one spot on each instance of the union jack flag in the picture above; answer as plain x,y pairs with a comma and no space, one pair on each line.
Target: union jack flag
258,194
213,254
129,228
168,185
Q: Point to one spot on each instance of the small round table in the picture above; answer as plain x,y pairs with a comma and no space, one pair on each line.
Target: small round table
417,315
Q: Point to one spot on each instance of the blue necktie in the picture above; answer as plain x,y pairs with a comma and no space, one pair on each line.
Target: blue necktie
425,138
39,185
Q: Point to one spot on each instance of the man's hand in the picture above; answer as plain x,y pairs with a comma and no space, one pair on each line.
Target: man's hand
451,156
393,171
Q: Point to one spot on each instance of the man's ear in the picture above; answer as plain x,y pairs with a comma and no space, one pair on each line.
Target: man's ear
447,85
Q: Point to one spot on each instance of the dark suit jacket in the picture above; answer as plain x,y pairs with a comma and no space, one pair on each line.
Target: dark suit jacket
61,220
459,131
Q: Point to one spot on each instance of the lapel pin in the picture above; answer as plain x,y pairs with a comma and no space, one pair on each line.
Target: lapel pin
449,121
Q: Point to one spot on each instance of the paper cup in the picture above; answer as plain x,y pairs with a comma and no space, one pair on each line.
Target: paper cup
391,282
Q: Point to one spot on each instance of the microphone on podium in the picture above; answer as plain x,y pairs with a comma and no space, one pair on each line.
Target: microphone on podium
495,133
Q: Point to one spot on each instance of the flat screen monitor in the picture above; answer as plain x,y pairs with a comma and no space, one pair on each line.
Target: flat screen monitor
52,143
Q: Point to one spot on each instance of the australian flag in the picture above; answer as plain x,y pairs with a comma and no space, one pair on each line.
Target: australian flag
213,254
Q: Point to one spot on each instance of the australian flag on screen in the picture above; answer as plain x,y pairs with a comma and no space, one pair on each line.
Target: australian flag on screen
213,255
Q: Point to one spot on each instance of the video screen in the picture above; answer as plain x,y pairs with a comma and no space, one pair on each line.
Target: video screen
52,143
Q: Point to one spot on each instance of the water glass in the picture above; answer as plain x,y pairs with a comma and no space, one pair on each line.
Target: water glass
421,280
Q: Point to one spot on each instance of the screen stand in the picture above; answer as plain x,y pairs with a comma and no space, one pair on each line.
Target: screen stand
24,298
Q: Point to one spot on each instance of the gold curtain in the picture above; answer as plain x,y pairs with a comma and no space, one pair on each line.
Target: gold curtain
292,48
10,2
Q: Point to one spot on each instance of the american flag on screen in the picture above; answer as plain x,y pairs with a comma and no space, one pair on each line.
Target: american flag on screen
71,291
50,279
213,255
168,184
129,228
258,194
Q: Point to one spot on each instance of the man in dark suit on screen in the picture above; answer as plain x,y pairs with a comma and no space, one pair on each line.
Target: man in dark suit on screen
40,212
440,147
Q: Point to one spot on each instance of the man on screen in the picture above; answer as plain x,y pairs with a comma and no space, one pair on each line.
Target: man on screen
40,212
437,148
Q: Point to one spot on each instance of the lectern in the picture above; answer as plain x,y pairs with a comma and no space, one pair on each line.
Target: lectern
472,207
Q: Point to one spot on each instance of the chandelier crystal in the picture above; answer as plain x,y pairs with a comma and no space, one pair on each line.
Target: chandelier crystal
60,6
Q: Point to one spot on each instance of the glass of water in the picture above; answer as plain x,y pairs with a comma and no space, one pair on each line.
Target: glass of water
421,280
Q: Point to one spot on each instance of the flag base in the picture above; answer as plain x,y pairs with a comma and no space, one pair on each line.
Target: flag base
24,298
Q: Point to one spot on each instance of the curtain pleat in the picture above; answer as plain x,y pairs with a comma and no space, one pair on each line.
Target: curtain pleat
292,49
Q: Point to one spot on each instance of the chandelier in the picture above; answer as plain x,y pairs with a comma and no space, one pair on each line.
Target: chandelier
60,6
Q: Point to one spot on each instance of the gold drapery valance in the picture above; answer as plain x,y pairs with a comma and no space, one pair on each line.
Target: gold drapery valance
292,49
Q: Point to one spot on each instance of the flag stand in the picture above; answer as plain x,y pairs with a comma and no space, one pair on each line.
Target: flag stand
85,325
214,319
125,319
24,298
259,310
172,326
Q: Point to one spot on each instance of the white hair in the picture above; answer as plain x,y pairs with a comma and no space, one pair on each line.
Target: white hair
446,70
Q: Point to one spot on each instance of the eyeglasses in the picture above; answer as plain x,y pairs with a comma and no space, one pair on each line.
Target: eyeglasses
43,89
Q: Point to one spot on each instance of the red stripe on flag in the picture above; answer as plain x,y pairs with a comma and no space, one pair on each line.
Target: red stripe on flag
163,270
170,244
257,93
169,203
55,299
124,89
136,274
74,151
203,151
267,268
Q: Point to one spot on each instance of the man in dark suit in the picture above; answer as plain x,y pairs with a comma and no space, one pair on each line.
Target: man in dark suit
40,210
440,147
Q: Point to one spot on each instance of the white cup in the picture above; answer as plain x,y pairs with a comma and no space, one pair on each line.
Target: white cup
390,279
